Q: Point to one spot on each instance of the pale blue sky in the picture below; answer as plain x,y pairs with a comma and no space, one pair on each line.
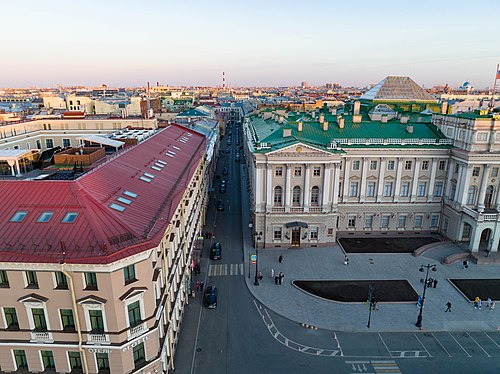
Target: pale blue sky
264,43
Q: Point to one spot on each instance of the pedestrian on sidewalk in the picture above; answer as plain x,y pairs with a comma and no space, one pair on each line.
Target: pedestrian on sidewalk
276,278
272,273
430,281
198,285
260,275
374,303
492,307
346,260
465,264
280,258
435,283
201,286
476,301
448,307
419,301
281,276
479,303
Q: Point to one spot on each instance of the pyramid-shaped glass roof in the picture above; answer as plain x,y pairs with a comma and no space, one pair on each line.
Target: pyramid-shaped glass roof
397,89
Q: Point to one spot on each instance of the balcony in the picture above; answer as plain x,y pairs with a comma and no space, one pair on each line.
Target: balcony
136,331
488,215
315,209
297,209
278,209
42,336
98,339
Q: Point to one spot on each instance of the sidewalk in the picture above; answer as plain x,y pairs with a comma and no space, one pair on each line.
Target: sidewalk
327,263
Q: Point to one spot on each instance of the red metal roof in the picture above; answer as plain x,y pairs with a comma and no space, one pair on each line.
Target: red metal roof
101,234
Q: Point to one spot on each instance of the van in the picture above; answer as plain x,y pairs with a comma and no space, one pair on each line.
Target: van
210,297
216,251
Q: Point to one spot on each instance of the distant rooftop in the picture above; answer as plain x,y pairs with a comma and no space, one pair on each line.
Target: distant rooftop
397,89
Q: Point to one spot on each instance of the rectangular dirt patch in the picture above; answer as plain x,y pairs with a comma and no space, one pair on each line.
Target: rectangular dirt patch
483,288
385,245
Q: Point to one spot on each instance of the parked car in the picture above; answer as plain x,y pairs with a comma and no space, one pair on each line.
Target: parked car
216,251
222,188
210,297
220,205
224,171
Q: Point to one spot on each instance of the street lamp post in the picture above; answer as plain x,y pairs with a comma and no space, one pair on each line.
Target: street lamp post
256,283
422,267
370,297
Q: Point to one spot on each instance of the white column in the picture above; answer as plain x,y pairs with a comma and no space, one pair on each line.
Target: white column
345,194
432,182
415,181
466,182
306,194
451,171
259,182
363,180
399,170
482,191
288,192
380,186
497,201
336,181
18,168
326,189
269,189
11,165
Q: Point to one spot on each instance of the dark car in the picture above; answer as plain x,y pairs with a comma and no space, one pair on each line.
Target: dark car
220,205
229,142
216,251
222,188
228,150
224,171
210,297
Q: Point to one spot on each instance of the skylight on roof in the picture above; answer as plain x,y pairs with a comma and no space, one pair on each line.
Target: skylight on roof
161,166
70,217
161,162
18,216
143,178
155,168
123,200
174,147
130,194
171,152
45,217
117,207
169,155
149,175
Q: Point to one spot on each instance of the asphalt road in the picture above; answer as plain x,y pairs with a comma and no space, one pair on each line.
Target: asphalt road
241,336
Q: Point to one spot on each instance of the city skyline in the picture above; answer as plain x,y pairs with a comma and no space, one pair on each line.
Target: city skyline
258,44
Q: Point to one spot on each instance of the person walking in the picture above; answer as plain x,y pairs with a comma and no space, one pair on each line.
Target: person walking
435,283
281,276
492,306
280,258
448,307
476,301
346,260
276,278
272,273
374,303
479,303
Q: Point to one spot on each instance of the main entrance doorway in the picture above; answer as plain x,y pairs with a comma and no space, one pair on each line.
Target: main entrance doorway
296,236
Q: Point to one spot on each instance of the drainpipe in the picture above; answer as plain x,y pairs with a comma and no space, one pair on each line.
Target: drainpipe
78,329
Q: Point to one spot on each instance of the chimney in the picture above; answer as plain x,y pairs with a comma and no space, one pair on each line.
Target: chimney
333,111
325,126
321,118
299,126
384,118
409,128
404,119
444,107
148,88
281,119
340,120
157,84
356,107
287,133
313,114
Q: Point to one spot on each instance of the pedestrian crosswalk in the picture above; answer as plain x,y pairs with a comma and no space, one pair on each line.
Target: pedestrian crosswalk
219,270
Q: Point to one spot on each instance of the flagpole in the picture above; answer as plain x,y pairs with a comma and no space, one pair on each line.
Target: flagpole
492,104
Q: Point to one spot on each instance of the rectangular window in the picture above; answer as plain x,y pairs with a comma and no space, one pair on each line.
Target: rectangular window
277,233
45,217
39,319
370,189
418,220
330,231
425,165
4,280
48,360
494,172
388,189
49,143
297,171
353,191
405,189
434,220
421,188
139,354
67,320
31,279
442,165
18,216
384,221
129,274
96,321
90,281
39,144
373,165
368,221
438,189
75,361
466,232
66,142
314,232
390,165
316,171
102,361
61,281
355,165
134,314
11,321
445,224
20,357
402,221
351,220
408,165
475,172
278,171
70,217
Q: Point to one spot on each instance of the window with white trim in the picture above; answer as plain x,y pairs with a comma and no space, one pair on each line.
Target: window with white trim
402,221
351,220
353,190
405,189
421,189
391,165
313,232
368,221
419,218
355,165
388,189
277,230
438,189
370,189
384,221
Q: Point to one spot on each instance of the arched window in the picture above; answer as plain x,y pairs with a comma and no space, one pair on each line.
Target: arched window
315,196
278,196
296,196
471,195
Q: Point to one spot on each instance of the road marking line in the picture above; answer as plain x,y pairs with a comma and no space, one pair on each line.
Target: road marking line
460,345
383,361
241,269
423,346
442,346
357,362
494,342
474,340
385,345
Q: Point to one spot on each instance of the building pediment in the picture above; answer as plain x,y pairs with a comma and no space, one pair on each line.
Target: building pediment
33,298
134,291
91,299
298,150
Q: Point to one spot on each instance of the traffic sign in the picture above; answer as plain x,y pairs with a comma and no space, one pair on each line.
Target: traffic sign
253,258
